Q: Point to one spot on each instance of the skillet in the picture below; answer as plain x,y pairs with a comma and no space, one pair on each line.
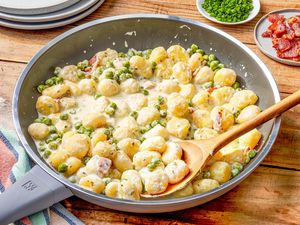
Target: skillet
41,186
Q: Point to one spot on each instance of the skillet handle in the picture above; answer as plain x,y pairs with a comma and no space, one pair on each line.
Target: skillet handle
37,190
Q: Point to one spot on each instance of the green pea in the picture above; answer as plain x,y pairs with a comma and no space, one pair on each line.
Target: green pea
80,75
54,136
157,106
214,64
64,116
237,165
62,168
99,70
251,154
96,96
58,140
81,130
46,121
106,180
41,87
121,54
123,77
163,113
236,85
205,57
201,51
49,82
110,111
206,174
212,57
234,172
220,66
126,64
109,64
109,74
190,103
194,48
83,65
113,105
134,114
161,100
107,132
147,53
53,145
58,80
145,91
153,65
46,154
78,125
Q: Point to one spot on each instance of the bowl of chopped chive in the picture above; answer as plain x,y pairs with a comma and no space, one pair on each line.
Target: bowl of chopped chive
229,12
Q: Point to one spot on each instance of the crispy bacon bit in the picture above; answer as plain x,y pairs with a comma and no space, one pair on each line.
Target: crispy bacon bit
285,39
93,60
273,18
104,165
210,90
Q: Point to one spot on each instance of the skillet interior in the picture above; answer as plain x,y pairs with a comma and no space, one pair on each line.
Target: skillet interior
149,31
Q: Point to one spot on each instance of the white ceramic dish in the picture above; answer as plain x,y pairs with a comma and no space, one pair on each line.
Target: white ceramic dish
253,13
53,24
265,44
29,7
57,15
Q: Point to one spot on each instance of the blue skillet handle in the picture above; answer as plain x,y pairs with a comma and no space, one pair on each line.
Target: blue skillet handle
37,190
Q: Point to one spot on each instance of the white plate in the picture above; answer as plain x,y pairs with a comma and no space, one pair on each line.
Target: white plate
265,44
57,15
29,7
47,25
253,13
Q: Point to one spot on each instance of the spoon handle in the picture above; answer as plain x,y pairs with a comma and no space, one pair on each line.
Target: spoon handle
264,116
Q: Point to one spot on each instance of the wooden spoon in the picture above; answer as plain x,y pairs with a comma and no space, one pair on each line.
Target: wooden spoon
198,152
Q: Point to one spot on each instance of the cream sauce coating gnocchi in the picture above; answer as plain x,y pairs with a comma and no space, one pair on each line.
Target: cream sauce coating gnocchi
110,123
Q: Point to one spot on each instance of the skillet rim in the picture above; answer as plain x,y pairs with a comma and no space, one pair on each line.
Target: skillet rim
148,203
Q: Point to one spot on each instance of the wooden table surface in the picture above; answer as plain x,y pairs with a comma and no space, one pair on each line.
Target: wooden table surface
270,195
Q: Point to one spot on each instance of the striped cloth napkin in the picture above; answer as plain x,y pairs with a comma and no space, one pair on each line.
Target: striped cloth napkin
14,163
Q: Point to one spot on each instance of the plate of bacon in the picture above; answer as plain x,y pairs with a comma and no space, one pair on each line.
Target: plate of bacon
277,34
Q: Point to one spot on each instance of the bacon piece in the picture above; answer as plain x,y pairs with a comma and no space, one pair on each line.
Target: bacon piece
280,29
210,90
267,33
92,60
292,53
290,35
104,165
273,18
293,19
282,44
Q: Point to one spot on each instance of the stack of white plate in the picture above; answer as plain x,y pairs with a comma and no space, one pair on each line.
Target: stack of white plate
44,14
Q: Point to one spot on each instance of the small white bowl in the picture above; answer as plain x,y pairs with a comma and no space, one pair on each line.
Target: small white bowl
253,13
